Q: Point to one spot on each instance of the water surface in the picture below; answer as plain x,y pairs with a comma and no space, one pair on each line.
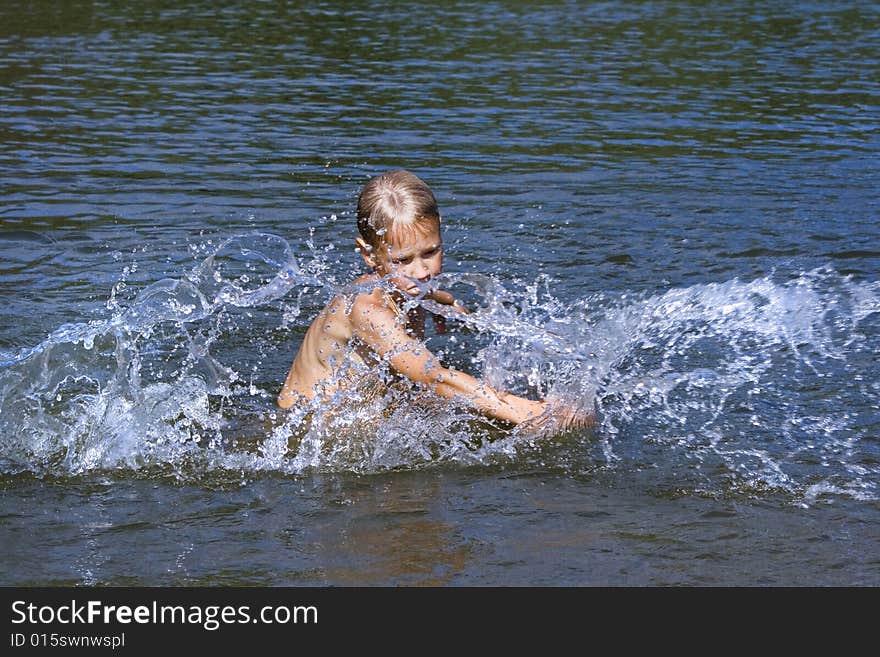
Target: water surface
667,208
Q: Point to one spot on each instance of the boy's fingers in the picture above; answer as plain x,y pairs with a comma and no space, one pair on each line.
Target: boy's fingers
442,297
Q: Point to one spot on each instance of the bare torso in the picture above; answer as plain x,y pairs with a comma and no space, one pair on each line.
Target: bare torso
356,331
331,342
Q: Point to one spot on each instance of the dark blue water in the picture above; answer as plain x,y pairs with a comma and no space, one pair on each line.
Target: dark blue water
667,209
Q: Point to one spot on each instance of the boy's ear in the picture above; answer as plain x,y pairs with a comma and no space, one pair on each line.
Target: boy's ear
366,252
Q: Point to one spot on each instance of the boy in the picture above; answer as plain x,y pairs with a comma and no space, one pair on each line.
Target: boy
400,242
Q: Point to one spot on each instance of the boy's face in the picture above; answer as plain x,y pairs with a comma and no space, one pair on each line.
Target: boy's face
406,257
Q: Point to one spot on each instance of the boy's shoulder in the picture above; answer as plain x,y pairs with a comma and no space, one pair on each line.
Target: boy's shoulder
375,304
371,305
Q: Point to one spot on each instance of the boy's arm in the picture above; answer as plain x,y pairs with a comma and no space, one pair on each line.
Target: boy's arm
378,327
444,298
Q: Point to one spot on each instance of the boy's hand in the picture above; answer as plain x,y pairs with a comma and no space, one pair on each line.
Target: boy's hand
571,418
443,297
559,417
447,300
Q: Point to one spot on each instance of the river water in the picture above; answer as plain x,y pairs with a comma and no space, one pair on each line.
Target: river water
667,210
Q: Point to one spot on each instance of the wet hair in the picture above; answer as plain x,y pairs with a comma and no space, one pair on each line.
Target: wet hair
395,203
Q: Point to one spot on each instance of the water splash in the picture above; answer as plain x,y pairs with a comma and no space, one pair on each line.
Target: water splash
757,385
132,390
726,388
733,387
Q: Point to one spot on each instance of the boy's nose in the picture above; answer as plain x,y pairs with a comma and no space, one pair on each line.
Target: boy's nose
420,270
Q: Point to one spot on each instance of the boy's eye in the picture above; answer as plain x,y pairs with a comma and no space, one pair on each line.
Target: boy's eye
402,261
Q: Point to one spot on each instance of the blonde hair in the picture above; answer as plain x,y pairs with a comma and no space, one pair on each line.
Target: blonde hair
394,202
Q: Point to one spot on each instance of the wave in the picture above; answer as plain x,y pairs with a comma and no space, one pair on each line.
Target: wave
738,386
